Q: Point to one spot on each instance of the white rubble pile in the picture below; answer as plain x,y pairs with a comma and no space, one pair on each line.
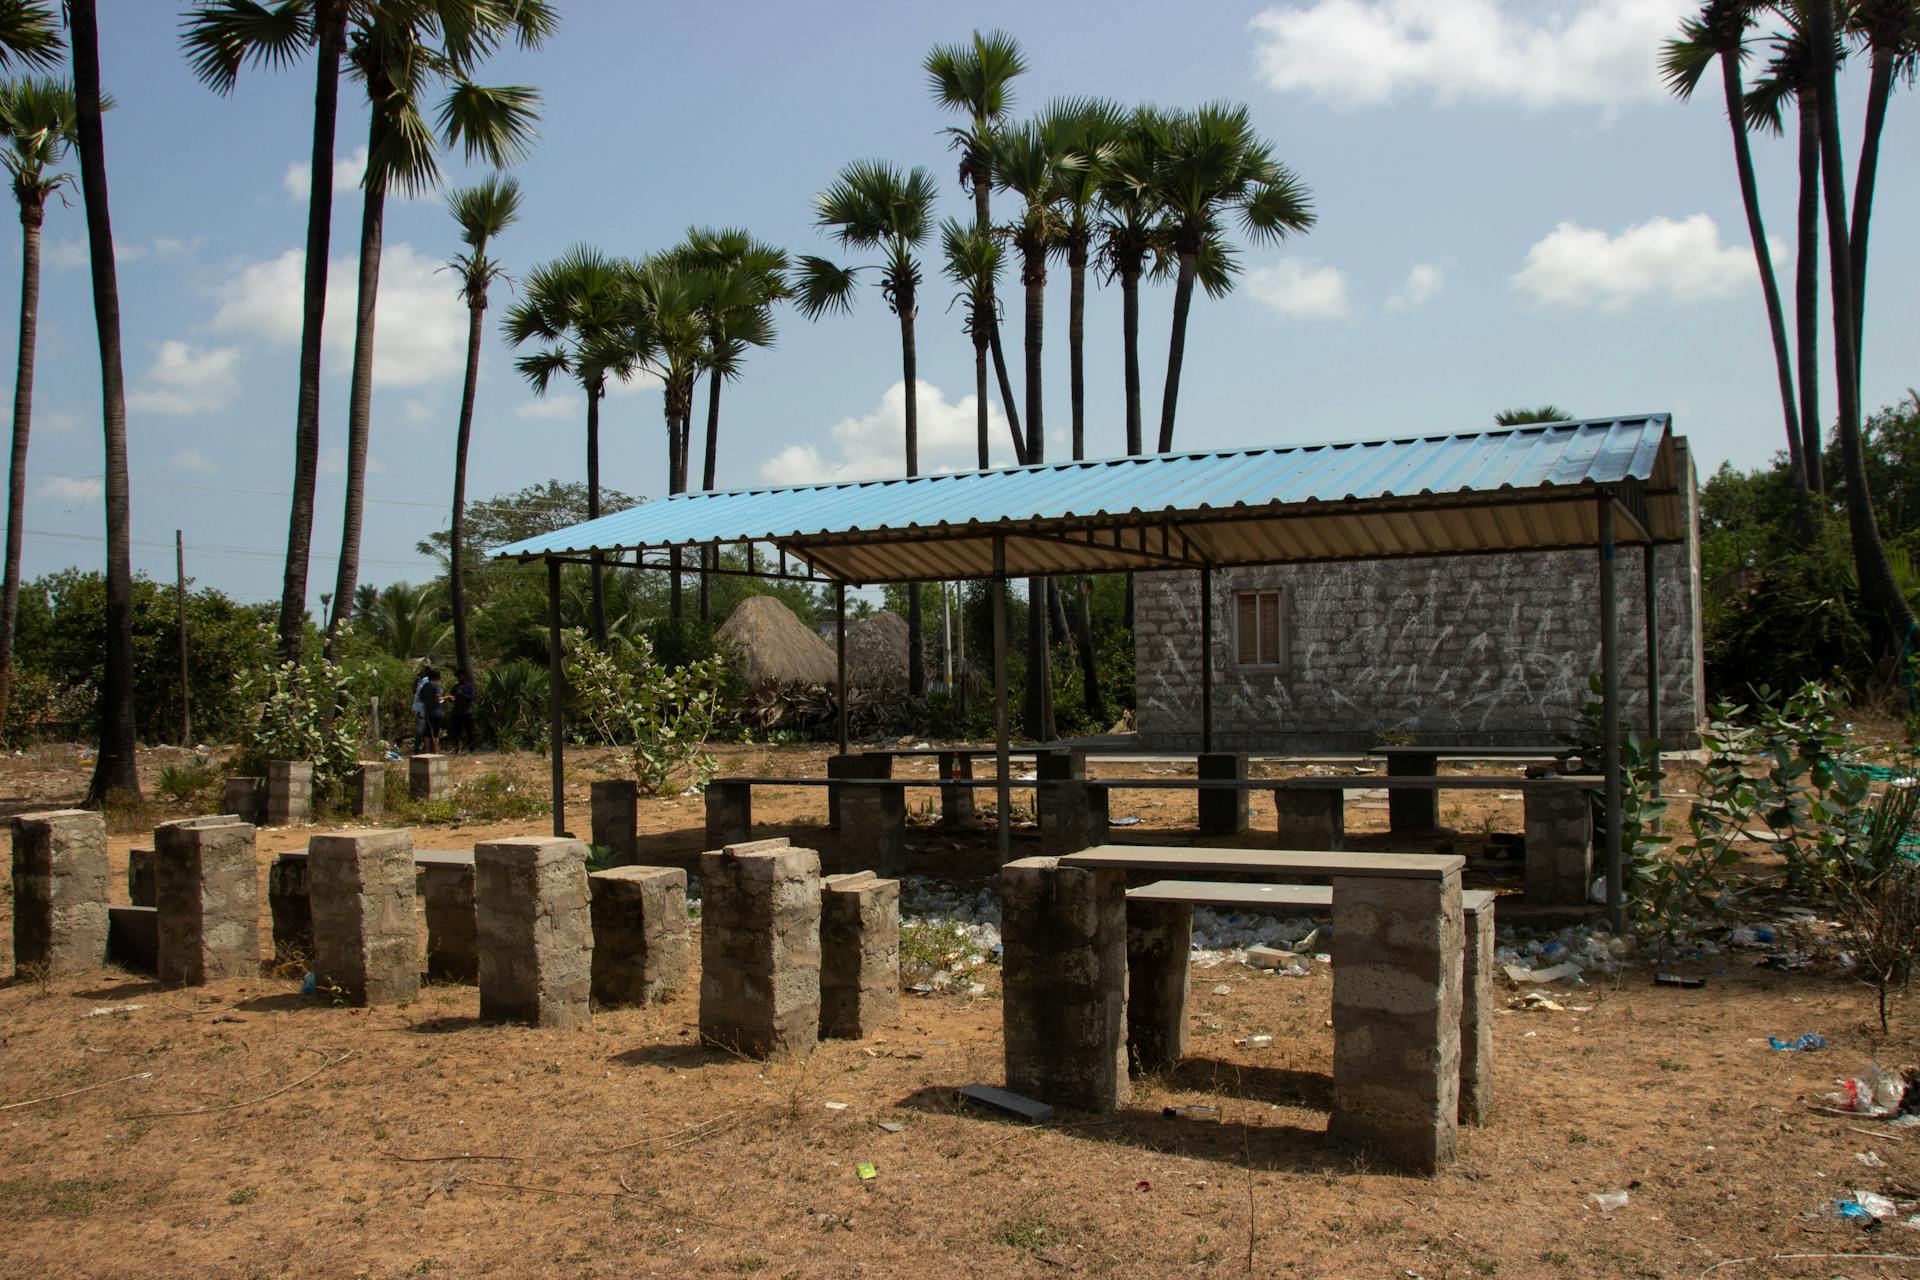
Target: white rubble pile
1566,955
1222,936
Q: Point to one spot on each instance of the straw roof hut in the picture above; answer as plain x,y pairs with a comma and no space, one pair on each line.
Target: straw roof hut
773,647
877,653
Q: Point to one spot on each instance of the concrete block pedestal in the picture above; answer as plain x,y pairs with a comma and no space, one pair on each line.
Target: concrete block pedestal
760,948
453,941
206,887
852,765
291,906
246,799
1559,845
859,955
616,820
1476,1008
1311,819
640,934
140,877
1073,816
366,788
1224,812
873,824
535,934
289,793
365,938
729,813
427,777
956,803
1159,941
59,892
1064,975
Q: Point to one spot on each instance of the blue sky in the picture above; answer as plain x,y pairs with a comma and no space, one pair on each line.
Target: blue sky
1510,212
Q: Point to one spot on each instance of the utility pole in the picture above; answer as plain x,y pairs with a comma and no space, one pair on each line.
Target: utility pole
180,599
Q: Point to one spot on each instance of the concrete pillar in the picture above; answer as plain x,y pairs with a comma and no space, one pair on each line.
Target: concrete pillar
1072,817
1159,942
1559,844
616,820
729,813
873,824
133,937
246,799
1064,979
1476,1008
427,777
207,890
291,906
859,955
1397,953
289,793
850,765
366,940
1311,819
536,937
453,939
59,892
366,786
1223,812
640,943
140,877
760,948
956,803
1412,811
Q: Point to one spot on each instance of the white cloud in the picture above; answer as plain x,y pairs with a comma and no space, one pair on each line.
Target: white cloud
347,172
420,324
71,255
417,411
1366,52
870,447
1302,289
1576,266
71,489
194,460
187,379
61,420
1422,285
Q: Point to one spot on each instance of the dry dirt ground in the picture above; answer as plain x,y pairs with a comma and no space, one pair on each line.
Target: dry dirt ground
243,1130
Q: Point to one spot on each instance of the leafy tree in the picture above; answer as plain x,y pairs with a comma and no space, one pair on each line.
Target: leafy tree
872,205
403,51
482,211
38,124
1211,165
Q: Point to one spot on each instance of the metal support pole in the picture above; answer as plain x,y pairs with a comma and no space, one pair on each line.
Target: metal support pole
1004,788
1610,713
1206,660
556,700
180,599
840,651
1652,592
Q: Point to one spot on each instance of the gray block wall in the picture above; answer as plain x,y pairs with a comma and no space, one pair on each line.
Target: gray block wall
59,892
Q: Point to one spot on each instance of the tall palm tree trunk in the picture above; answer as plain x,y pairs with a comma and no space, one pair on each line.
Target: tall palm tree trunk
1130,344
1806,299
1082,617
373,214
1039,702
32,214
330,22
1869,553
114,769
1879,87
599,591
676,483
709,556
1177,345
980,391
910,373
1770,290
463,436
983,222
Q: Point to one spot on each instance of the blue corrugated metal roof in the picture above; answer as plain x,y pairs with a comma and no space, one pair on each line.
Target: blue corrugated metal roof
1345,478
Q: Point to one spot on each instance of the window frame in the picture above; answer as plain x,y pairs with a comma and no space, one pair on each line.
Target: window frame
1282,633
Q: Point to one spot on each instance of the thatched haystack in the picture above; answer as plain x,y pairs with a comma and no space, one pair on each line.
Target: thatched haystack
877,653
773,647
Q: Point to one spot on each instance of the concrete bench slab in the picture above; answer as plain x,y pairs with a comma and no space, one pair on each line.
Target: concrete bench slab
1118,857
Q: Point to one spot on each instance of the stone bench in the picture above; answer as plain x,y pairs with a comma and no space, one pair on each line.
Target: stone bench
443,883
872,811
1159,946
1398,958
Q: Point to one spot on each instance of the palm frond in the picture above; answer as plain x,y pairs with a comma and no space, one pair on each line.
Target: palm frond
541,367
975,77
485,209
821,286
221,36
497,124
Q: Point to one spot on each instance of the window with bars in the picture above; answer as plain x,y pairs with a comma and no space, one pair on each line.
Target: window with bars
1259,628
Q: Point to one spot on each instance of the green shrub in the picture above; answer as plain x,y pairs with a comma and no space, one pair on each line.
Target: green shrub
664,716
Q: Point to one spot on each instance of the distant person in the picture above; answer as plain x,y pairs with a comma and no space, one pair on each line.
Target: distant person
428,698
460,727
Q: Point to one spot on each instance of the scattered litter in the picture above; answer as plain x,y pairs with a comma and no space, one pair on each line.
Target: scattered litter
1878,1092
835,1106
1518,974
892,1126
866,1171
1536,1000
106,1009
1675,980
1001,1100
1270,958
1865,1206
309,985
1256,1042
1194,1112
1223,990
1810,1041
1130,820
1871,1159
1555,972
1608,1201
1143,1185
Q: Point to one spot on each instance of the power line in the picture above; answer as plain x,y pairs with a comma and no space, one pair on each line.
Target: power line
260,493
253,553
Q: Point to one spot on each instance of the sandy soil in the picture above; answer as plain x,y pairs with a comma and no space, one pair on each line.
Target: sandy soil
243,1130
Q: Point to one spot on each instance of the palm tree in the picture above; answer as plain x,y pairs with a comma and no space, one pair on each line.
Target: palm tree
482,211
1790,74
872,205
1891,30
400,53
220,37
30,34
976,78
37,127
741,279
1089,129
1132,234
668,336
576,308
114,771
1213,164
1526,417
403,619
973,263
1718,32
1877,581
